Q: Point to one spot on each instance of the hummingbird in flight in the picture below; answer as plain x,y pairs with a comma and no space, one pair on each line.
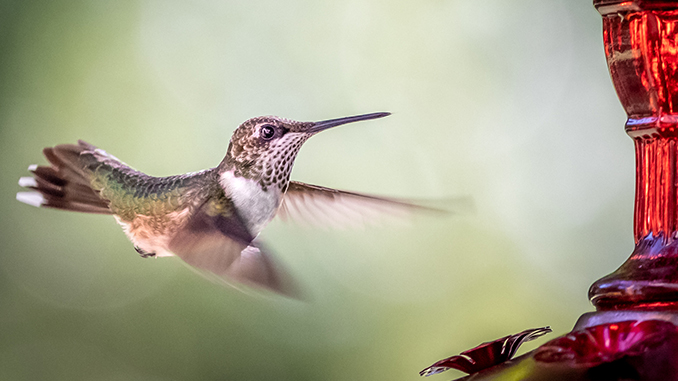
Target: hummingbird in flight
210,218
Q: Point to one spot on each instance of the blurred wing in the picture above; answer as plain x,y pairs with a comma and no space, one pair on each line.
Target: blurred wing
215,239
319,206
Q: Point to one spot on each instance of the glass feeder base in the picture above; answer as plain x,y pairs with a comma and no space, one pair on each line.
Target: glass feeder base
591,319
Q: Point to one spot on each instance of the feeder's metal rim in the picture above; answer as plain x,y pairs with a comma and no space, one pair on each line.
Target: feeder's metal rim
607,7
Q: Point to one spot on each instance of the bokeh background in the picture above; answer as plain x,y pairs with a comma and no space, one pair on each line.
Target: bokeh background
508,102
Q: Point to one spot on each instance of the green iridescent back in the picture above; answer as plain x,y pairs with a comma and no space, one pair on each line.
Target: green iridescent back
131,193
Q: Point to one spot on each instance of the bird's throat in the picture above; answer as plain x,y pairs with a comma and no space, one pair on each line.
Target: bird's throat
255,205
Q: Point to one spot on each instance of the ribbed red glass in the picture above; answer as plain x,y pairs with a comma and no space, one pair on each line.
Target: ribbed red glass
641,46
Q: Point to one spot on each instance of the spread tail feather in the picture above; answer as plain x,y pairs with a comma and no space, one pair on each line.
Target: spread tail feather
65,184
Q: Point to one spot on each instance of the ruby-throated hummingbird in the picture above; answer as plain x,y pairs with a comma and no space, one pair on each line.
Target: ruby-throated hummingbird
208,218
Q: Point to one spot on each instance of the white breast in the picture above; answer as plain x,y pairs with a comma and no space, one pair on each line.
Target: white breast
256,206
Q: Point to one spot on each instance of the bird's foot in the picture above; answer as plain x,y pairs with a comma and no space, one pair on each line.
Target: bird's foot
143,253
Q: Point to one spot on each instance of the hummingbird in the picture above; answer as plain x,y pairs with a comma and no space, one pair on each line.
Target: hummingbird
210,218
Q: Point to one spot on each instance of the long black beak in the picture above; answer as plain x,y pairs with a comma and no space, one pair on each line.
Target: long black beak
325,124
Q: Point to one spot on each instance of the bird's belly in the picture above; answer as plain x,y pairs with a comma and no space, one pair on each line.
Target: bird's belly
153,234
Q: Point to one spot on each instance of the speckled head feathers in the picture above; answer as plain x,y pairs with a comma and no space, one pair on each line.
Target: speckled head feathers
264,148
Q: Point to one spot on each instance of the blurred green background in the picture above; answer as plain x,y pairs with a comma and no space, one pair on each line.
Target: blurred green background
509,102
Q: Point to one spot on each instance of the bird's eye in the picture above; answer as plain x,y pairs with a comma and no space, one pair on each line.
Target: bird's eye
267,132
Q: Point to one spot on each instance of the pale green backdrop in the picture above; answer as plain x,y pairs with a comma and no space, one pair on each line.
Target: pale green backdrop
508,102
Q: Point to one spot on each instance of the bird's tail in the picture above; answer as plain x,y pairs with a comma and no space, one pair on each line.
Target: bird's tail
65,183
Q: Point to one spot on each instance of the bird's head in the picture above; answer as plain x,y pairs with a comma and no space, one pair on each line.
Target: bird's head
264,148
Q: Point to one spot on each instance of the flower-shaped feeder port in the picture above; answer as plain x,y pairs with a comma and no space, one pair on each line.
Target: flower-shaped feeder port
486,355
628,350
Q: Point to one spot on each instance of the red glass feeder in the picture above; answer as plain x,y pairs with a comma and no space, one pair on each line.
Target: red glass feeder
641,46
633,335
